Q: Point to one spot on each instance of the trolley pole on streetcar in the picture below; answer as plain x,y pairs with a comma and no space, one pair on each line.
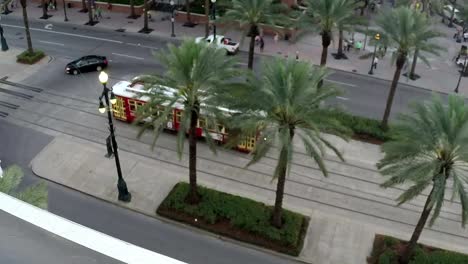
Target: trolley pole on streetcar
124,194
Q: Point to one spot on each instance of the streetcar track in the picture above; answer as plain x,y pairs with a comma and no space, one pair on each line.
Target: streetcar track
8,105
23,86
249,184
3,114
297,174
390,203
15,93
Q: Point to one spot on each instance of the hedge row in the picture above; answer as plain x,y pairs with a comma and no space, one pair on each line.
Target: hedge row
127,2
362,127
236,217
30,58
385,248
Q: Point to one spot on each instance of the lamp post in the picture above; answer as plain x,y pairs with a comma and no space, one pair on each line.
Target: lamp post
214,19
124,195
461,74
377,38
172,17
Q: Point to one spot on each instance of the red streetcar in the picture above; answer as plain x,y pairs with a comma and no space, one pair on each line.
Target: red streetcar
130,97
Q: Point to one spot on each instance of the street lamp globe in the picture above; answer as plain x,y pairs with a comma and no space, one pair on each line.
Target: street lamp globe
213,1
113,99
103,77
172,2
102,108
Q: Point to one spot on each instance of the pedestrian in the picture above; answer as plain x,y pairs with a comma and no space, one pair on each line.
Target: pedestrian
262,44
51,5
358,46
276,38
374,63
99,12
297,55
93,13
55,5
257,40
109,6
1,170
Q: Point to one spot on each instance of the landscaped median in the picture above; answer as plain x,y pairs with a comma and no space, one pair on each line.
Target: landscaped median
386,249
236,217
27,57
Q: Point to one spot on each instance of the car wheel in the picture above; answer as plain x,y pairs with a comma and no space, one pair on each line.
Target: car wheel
75,72
99,68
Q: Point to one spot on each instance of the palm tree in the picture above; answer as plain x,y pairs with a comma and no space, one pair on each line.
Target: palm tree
91,21
145,28
324,16
44,9
132,10
283,104
250,14
35,195
196,72
26,26
428,149
84,8
405,30
207,17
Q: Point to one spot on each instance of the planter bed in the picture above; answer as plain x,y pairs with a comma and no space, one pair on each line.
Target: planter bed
386,250
236,217
30,58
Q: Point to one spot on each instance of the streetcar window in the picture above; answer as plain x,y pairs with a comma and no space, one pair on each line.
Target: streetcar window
132,105
178,116
220,128
201,122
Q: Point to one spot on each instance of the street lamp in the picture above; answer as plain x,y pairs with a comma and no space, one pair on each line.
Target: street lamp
124,195
214,19
3,40
65,11
377,38
172,17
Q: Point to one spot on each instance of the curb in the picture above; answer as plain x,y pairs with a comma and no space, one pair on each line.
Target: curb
176,223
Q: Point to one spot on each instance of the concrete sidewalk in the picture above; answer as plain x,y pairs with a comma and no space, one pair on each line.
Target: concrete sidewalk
442,76
17,72
335,225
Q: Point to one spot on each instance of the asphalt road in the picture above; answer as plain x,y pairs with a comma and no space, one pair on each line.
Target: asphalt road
131,54
19,145
26,243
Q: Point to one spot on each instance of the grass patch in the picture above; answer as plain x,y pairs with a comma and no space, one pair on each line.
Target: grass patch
236,217
30,58
386,250
364,129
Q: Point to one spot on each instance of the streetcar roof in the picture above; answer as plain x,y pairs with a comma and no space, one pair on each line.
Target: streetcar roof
138,91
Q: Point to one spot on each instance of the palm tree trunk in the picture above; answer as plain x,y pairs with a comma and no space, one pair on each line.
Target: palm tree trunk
277,211
253,31
418,230
193,197
207,16
399,65
187,6
413,65
326,39
90,13
84,9
145,16
44,10
26,26
132,9
340,53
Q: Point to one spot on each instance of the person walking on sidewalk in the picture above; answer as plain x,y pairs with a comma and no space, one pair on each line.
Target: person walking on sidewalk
93,13
99,12
374,63
262,43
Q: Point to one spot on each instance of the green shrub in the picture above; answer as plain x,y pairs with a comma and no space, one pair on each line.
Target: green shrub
30,58
390,241
241,213
361,126
388,257
438,257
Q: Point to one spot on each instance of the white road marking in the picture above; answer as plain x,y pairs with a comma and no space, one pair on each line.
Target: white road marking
48,26
51,43
342,98
128,56
66,34
342,83
142,46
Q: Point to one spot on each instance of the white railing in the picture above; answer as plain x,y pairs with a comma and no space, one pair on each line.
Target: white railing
92,239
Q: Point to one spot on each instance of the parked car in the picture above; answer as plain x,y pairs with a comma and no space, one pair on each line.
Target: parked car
447,13
86,64
221,42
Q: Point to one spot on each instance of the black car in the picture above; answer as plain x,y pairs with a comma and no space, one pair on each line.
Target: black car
86,64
